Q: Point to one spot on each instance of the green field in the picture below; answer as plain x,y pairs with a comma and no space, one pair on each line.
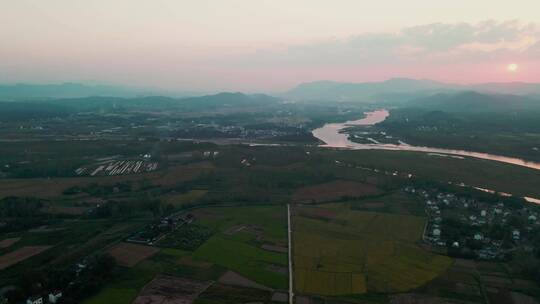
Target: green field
271,219
241,251
341,252
247,260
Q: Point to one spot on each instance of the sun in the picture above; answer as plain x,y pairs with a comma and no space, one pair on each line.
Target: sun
512,67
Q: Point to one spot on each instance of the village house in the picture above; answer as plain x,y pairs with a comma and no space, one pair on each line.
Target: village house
35,300
55,296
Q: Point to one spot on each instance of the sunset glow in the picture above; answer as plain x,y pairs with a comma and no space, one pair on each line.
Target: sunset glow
513,67
271,45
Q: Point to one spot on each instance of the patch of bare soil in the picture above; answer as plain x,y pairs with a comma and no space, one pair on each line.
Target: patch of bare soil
274,248
129,255
19,255
334,191
164,289
5,243
234,279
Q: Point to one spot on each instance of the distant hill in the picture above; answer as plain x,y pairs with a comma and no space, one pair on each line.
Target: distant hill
223,100
65,90
514,88
13,111
78,90
362,92
471,101
397,90
95,103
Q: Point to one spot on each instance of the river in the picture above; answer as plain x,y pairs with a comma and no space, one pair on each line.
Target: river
333,137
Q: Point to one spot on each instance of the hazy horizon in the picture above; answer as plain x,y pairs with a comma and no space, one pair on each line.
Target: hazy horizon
266,46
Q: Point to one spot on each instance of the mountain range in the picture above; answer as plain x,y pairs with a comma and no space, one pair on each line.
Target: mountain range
25,91
398,89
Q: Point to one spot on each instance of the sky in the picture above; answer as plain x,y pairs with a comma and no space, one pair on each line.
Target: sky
266,45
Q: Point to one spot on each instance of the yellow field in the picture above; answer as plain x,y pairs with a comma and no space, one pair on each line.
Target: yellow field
355,252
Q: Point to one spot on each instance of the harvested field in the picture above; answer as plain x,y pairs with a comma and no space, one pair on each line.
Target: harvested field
129,255
183,198
233,278
19,255
333,191
5,243
165,289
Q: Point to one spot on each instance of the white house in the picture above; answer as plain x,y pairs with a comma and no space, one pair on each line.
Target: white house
478,237
483,213
436,232
55,296
35,300
516,235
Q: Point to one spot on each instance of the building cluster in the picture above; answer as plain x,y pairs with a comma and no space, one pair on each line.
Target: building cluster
155,232
473,227
235,131
53,297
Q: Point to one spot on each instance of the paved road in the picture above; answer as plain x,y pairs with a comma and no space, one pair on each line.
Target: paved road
291,291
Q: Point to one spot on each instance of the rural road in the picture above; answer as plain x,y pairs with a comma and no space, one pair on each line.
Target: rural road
289,228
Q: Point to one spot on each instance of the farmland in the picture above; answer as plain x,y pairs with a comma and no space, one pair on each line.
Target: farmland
247,260
19,255
238,246
334,191
353,252
130,254
171,289
5,243
356,233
